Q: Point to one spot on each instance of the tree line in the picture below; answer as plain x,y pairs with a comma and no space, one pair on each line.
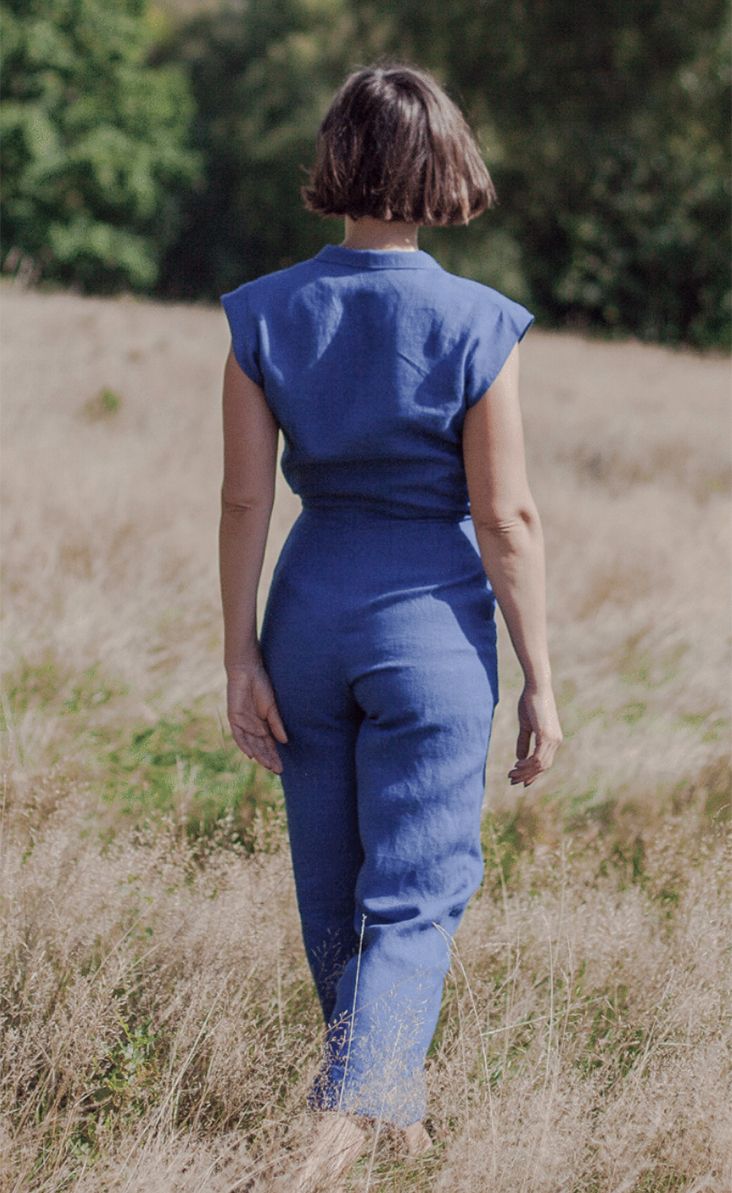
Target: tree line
160,151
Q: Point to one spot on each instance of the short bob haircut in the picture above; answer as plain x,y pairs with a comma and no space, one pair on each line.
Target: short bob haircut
394,146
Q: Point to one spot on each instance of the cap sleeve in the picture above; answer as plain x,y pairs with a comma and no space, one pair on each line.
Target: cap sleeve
243,327
502,324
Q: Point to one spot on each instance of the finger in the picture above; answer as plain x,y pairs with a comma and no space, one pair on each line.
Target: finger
263,750
524,769
249,723
544,752
268,761
527,780
247,741
528,769
523,742
241,740
275,723
253,747
524,764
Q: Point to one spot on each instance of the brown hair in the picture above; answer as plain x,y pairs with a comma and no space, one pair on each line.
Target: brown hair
393,145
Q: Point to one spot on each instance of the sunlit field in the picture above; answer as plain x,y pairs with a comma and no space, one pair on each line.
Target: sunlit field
159,1025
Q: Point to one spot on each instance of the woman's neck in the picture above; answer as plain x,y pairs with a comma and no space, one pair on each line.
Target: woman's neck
369,233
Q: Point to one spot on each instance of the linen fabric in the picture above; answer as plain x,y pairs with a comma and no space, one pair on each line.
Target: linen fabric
369,359
379,637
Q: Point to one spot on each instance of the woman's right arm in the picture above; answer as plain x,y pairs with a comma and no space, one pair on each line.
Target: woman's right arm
511,541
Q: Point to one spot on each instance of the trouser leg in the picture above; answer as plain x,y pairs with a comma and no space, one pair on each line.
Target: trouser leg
320,796
420,767
319,785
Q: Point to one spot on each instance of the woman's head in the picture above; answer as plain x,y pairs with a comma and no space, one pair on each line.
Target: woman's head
394,146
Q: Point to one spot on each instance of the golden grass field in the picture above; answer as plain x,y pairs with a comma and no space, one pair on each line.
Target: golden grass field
159,1026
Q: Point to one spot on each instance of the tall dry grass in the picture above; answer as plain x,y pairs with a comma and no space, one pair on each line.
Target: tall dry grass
159,1027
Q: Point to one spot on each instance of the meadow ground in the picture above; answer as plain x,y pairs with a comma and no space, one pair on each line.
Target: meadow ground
159,1026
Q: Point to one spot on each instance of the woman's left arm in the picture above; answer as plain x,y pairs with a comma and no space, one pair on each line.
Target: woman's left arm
247,497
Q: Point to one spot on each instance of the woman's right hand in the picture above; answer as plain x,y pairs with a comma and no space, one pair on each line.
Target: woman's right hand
537,713
253,715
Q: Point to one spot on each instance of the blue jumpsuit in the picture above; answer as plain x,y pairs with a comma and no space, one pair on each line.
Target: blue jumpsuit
379,637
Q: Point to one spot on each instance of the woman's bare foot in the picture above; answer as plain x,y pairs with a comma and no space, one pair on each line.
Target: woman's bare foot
416,1139
339,1141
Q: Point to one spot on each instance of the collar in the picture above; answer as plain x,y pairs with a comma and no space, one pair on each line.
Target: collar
339,254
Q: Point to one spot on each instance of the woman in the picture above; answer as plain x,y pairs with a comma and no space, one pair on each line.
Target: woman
372,688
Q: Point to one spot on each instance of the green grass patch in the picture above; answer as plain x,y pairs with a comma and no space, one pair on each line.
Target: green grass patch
505,837
64,690
613,1041
632,712
181,766
637,665
184,766
714,728
104,404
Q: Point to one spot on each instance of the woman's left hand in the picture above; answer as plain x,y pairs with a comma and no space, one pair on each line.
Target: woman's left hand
253,714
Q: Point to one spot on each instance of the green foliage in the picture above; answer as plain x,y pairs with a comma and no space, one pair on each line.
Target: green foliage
608,133
125,1081
127,1068
279,64
605,128
95,142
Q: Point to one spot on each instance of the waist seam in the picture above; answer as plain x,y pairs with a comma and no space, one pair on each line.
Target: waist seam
354,511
